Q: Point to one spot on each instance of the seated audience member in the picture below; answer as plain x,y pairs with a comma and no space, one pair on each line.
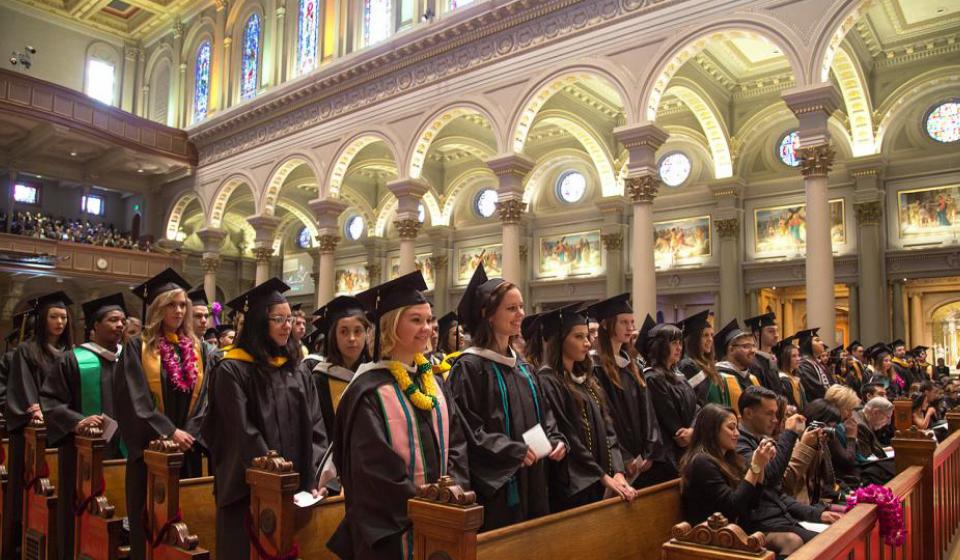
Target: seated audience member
925,416
876,467
822,484
941,370
872,391
774,510
807,458
843,446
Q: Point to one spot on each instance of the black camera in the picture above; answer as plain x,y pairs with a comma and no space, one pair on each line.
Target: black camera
826,429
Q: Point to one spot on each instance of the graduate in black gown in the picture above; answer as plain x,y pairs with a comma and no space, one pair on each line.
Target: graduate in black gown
699,363
450,341
735,350
259,401
813,374
30,365
593,467
344,324
397,428
22,329
766,331
788,361
499,398
78,392
161,391
673,398
628,401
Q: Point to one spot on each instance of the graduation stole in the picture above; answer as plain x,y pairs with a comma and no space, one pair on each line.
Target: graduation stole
90,397
513,492
151,369
242,355
797,389
857,369
734,390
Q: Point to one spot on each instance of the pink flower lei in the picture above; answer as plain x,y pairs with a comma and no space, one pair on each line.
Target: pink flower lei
182,369
893,528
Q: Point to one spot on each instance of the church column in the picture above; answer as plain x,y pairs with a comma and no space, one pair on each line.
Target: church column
916,319
327,213
511,171
813,105
227,49
854,306
212,240
728,219
643,180
899,303
612,234
128,90
374,247
140,85
217,54
177,73
409,192
868,172
440,259
280,44
265,228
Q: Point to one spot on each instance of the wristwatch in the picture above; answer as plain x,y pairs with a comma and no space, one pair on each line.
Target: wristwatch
755,468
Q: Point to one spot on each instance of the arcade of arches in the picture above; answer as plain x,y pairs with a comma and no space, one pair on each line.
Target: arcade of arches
801,157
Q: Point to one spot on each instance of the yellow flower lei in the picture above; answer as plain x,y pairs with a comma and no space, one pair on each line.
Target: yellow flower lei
420,400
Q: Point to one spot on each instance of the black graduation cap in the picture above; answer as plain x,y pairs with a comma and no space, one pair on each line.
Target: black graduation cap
610,307
210,333
696,323
198,296
269,292
296,307
779,347
876,350
222,328
806,337
400,292
55,299
835,353
558,320
336,309
853,345
897,342
445,323
478,289
166,281
757,323
95,309
730,332
310,339
530,326
919,349
644,334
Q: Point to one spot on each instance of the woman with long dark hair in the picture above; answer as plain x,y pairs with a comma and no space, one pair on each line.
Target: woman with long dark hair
630,407
594,467
259,402
884,372
499,399
673,398
29,367
788,362
699,363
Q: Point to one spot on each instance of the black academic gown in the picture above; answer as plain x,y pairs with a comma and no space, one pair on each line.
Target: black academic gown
6,361
322,374
375,479
141,422
764,368
634,417
676,407
253,409
593,452
814,377
23,389
61,399
495,452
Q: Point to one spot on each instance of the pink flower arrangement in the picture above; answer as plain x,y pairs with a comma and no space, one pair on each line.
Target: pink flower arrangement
893,528
182,369
216,310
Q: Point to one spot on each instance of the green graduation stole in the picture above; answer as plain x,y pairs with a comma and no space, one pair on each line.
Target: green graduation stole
90,398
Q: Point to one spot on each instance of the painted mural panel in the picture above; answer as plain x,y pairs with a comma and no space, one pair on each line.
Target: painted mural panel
570,254
352,279
682,242
469,258
929,214
782,230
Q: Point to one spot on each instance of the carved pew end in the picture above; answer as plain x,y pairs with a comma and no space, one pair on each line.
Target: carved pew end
717,539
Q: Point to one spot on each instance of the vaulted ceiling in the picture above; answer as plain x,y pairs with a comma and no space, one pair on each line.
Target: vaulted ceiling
130,20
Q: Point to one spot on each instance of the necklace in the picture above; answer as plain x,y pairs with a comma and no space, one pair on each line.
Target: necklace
424,400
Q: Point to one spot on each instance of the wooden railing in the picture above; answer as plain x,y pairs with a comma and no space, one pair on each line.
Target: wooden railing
946,497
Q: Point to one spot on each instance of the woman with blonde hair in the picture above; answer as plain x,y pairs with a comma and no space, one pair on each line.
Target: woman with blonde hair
843,446
162,390
397,427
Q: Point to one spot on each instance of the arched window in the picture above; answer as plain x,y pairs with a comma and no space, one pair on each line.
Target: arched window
485,204
250,61
377,20
201,84
787,148
354,227
943,121
571,186
307,36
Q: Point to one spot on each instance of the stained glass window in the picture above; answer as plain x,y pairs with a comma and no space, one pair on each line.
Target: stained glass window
249,66
571,186
943,122
201,84
421,213
354,227
787,149
674,169
307,36
377,24
303,238
486,203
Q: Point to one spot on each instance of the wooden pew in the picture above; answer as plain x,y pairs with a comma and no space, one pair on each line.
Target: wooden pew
39,496
99,531
280,525
715,539
164,524
3,472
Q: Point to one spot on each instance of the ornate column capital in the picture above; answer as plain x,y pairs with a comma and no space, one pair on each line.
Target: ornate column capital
813,105
612,241
728,228
373,271
642,189
220,5
227,41
510,165
212,239
327,243
869,213
210,264
262,254
327,211
511,210
816,161
439,262
407,228
523,252
177,29
265,228
132,53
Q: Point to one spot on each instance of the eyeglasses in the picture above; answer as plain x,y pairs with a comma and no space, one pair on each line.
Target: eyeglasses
280,320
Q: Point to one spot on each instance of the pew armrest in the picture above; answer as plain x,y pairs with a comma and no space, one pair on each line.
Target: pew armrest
715,538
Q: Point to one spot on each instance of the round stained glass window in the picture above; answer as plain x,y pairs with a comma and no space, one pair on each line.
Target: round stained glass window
571,186
486,203
674,169
421,213
787,149
943,122
354,228
303,238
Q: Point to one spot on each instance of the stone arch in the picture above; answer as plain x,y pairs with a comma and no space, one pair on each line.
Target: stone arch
945,78
856,97
545,166
387,209
175,215
359,205
222,196
842,16
295,212
537,97
592,144
435,124
200,30
345,157
463,182
688,43
279,174
714,129
159,72
238,14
